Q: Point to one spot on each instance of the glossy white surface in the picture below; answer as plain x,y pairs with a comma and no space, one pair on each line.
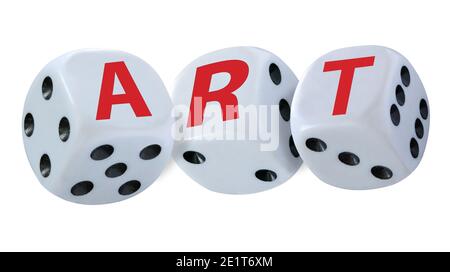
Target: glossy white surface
231,165
77,78
366,129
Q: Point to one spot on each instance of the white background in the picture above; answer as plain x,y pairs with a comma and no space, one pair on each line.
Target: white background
176,213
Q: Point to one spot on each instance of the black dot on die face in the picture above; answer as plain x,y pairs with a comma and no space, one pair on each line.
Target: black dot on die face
405,76
285,110
400,95
293,148
418,126
414,148
28,125
47,88
194,157
129,187
116,170
82,188
64,129
266,175
395,115
45,165
348,158
423,107
381,172
102,152
275,74
150,152
316,144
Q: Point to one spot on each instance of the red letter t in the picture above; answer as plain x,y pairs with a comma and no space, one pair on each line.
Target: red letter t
347,68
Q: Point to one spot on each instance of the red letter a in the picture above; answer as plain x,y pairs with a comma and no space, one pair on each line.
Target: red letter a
238,71
131,96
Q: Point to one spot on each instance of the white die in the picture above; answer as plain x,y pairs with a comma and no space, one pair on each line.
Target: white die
239,162
85,151
372,138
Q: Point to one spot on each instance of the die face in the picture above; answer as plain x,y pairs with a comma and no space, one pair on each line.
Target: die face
221,155
85,71
258,84
348,153
315,101
107,156
46,105
122,168
367,141
406,113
